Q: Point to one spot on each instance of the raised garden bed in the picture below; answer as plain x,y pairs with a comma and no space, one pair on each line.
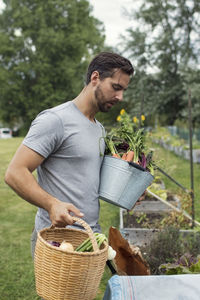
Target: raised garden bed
140,225
144,220
180,150
153,205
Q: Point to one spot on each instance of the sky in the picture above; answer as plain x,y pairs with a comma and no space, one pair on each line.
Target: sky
110,12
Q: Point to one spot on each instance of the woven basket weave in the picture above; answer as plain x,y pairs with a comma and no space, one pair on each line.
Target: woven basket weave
68,275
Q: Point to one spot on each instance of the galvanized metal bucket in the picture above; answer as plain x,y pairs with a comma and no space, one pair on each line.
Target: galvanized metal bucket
122,183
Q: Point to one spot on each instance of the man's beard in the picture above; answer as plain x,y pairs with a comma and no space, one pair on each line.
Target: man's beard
101,100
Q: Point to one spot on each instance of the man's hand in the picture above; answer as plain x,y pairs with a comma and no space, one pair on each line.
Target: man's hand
142,197
138,202
59,213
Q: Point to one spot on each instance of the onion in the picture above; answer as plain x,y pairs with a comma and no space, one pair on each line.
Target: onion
111,253
66,246
53,243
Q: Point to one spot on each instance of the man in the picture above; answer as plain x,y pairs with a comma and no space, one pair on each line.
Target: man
64,144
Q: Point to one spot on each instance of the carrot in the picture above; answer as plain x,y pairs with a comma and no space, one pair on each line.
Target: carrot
116,155
124,156
130,155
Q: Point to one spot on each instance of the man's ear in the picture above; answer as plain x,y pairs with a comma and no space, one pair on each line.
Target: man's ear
95,78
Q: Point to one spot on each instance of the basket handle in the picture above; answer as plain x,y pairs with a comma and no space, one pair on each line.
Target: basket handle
89,231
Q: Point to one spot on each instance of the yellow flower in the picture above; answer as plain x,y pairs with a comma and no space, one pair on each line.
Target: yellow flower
142,117
122,111
135,120
119,118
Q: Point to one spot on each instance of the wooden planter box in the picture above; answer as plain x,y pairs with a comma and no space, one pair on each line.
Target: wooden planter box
149,213
142,236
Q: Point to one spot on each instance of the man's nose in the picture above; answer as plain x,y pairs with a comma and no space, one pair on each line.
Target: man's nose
119,95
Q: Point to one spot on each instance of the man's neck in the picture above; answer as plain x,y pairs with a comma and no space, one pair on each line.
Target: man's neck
85,103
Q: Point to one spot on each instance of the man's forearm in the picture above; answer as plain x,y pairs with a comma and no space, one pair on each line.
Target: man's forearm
22,181
20,178
24,184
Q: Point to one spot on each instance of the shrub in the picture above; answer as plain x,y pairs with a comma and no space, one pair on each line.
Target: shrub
168,246
163,248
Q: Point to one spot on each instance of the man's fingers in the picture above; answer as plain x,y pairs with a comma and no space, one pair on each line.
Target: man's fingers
68,218
75,210
61,214
63,220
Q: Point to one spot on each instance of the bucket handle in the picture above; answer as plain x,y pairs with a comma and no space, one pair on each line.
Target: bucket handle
136,166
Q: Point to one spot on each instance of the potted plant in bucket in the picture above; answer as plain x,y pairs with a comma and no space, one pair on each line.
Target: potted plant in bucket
127,168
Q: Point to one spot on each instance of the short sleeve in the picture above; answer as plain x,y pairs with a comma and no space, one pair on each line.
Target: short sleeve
45,134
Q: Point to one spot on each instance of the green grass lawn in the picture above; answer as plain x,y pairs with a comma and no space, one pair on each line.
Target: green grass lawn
179,169
16,223
17,220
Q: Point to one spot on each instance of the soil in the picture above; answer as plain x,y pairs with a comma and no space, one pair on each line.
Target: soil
143,220
151,219
134,219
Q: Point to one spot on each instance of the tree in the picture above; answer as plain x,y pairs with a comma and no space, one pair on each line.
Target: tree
166,42
192,83
44,51
140,97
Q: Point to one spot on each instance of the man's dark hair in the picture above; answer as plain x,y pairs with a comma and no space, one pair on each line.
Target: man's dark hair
106,63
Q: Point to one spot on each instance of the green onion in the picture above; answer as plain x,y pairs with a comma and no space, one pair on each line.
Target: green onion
86,246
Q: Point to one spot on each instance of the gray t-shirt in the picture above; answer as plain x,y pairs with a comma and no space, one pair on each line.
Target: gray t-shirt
72,146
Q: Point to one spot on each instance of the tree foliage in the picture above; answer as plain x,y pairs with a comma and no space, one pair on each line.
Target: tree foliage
44,51
165,44
192,86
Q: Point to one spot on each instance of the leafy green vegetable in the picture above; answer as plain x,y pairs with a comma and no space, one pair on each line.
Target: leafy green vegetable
86,246
126,137
186,264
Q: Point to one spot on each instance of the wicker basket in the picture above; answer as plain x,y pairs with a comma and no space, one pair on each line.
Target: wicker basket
68,275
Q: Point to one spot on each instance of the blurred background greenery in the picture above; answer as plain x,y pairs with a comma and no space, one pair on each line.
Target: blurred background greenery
45,47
